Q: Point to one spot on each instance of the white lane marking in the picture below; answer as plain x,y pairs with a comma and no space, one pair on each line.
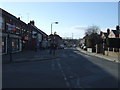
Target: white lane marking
77,81
65,77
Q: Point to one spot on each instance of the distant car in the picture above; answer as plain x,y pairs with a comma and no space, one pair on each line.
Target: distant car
61,46
74,46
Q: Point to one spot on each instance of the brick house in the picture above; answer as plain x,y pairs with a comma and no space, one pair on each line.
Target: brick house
111,36
16,35
12,29
57,38
115,33
37,36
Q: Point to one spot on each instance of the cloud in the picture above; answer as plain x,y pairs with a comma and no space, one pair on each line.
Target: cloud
79,27
76,31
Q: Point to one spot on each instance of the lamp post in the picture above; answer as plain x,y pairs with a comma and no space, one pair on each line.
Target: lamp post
51,25
9,40
9,47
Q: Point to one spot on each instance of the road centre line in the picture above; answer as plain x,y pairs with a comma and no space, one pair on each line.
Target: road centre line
65,77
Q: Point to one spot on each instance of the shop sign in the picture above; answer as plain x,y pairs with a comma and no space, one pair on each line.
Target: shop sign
26,38
11,27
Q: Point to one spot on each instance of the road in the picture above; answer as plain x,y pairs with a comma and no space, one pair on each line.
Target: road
72,69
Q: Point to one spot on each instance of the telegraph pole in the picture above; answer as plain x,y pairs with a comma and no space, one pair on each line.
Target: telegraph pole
72,35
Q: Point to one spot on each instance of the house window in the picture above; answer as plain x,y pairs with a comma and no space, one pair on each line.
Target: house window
3,44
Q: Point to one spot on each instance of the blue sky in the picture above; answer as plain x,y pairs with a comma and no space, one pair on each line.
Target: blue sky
73,17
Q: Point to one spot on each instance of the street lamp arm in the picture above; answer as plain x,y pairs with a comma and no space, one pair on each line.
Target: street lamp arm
54,23
51,25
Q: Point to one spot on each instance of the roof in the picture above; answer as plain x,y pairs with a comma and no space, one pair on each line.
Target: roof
85,37
106,34
55,36
43,33
115,32
7,14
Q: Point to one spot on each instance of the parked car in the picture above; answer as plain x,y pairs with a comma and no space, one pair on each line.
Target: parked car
84,47
61,46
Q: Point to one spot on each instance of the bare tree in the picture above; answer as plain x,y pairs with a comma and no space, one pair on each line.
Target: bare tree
92,30
92,36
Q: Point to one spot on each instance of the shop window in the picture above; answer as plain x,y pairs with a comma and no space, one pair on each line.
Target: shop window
15,45
3,45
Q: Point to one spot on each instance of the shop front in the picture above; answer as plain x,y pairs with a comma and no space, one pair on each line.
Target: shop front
25,43
4,43
13,43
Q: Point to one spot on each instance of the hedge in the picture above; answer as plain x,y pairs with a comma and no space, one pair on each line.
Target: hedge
113,42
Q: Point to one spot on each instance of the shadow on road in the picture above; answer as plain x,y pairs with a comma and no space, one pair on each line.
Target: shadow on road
93,72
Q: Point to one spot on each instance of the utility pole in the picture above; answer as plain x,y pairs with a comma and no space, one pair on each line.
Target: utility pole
72,35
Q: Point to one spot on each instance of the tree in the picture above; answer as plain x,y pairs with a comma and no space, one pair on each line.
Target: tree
93,37
92,30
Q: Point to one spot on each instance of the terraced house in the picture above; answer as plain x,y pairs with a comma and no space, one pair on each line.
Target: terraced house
16,35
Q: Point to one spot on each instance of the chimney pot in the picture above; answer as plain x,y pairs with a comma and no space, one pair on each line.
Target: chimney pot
108,31
32,22
117,27
18,18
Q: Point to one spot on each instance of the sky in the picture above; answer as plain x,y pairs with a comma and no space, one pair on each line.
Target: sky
72,17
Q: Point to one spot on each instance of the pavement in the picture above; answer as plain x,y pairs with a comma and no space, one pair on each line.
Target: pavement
28,56
110,58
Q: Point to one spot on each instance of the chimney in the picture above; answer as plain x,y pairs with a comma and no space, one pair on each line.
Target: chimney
108,31
18,18
32,22
101,33
117,27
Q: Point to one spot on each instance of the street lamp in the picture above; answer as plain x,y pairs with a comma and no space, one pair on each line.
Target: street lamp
51,25
10,47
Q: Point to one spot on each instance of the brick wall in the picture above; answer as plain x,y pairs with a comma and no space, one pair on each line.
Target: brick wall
111,53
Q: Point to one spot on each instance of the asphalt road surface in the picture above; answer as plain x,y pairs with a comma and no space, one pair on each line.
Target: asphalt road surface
72,69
